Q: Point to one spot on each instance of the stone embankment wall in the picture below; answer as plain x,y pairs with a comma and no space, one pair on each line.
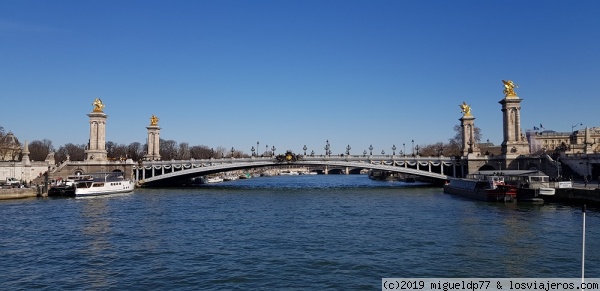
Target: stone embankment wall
18,193
576,196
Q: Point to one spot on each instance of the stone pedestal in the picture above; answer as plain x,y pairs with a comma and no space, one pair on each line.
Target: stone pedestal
97,143
153,141
469,144
515,143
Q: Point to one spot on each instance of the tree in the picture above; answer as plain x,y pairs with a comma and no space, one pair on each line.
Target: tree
183,152
168,149
75,152
135,151
200,152
116,151
39,149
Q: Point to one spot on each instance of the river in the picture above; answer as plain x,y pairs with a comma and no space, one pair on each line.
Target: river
285,232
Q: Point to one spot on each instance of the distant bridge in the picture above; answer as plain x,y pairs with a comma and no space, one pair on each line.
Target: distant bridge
171,172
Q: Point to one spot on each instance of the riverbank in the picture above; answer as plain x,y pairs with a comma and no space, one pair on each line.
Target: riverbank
576,196
18,193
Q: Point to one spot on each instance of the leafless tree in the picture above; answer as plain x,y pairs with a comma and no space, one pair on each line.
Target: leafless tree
200,152
168,149
135,151
39,149
183,152
75,152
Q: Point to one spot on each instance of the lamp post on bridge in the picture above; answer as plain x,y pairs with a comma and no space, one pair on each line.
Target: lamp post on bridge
382,152
348,148
232,150
212,153
305,148
365,153
312,153
370,150
404,148
327,147
413,147
257,149
393,150
273,148
252,149
266,150
417,148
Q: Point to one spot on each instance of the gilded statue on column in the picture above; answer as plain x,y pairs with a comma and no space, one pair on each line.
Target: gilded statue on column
509,88
153,120
98,105
465,109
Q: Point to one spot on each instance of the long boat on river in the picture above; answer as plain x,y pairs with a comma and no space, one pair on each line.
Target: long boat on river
482,186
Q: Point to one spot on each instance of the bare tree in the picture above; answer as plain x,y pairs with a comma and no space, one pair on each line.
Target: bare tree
39,149
200,152
135,151
73,151
183,152
168,149
116,151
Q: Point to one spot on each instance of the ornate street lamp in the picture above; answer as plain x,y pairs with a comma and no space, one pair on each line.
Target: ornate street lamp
403,147
393,150
257,149
212,153
252,149
382,152
305,148
327,146
365,153
312,153
232,150
417,148
273,148
413,147
371,150
266,150
348,148
576,125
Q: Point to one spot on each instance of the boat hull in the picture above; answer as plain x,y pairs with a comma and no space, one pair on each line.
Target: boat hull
107,187
492,195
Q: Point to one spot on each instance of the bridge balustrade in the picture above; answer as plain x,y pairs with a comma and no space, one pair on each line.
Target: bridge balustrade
432,167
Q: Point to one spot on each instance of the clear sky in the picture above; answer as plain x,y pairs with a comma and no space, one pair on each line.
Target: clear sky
293,73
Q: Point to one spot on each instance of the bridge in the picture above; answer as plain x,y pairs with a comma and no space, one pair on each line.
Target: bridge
436,169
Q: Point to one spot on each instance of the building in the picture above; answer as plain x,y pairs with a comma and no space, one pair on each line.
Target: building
586,141
10,148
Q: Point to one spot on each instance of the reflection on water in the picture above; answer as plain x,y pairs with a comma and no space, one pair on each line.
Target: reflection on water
97,250
315,232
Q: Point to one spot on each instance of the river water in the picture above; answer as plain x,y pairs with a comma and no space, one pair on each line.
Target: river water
285,232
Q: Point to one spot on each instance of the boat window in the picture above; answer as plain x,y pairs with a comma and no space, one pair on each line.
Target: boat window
98,185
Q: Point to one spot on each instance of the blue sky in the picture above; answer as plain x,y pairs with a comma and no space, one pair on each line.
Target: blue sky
293,73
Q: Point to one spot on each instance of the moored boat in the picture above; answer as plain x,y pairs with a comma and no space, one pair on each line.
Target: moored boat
532,185
482,186
103,184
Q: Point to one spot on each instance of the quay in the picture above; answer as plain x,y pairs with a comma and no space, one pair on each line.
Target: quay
19,193
578,195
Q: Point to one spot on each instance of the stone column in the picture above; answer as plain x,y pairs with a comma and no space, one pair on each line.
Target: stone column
97,144
514,142
153,140
26,162
469,144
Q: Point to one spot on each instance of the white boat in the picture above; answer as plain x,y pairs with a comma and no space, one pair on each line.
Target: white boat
288,173
215,179
103,184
